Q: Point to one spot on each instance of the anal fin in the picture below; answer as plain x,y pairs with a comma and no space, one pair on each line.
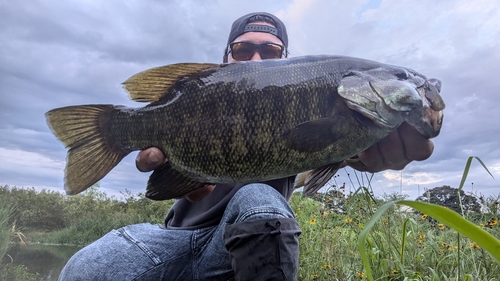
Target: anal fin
316,179
166,183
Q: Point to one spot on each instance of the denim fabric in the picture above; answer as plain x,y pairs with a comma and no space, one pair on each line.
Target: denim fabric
151,252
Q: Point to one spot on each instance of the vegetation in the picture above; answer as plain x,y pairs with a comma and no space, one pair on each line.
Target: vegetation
452,198
8,233
51,217
402,245
395,242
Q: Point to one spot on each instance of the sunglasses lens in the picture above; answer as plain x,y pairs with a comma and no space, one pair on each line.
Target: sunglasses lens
243,51
270,51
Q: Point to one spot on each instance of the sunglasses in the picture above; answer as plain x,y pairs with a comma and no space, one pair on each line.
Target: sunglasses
243,51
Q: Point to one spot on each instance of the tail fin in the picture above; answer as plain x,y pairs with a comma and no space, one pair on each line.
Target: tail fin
84,130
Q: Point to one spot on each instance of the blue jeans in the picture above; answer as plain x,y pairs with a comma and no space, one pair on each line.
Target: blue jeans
151,252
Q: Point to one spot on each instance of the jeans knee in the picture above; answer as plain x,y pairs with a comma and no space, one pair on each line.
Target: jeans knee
259,201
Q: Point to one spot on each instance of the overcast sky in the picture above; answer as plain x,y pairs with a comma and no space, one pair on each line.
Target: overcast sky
59,53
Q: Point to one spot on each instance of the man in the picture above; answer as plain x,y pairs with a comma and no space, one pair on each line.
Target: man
220,232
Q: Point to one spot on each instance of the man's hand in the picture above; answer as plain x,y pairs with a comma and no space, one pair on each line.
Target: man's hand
395,151
151,158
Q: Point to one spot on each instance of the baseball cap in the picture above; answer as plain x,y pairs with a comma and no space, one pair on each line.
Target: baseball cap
246,24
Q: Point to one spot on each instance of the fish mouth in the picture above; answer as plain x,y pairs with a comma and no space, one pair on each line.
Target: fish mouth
428,119
432,90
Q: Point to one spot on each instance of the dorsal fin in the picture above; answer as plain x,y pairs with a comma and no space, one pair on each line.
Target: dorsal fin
152,84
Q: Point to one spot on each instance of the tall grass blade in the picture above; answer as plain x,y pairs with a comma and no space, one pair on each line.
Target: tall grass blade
363,235
403,242
446,216
466,170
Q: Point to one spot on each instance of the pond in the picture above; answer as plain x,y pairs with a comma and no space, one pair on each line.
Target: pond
47,260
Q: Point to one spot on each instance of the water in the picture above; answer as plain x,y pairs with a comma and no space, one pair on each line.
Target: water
47,260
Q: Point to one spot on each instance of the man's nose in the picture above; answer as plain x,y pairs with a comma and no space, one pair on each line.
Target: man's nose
256,56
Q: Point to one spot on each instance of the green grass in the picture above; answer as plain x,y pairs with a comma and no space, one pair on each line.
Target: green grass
371,239
378,240
397,245
5,227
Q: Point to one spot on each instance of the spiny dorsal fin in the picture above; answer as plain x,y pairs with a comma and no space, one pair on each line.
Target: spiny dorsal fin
152,84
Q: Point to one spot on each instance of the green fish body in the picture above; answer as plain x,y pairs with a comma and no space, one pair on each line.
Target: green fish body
246,122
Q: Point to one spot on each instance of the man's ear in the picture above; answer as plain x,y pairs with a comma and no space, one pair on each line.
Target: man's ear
224,57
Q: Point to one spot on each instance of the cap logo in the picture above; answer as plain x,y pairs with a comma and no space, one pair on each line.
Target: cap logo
261,28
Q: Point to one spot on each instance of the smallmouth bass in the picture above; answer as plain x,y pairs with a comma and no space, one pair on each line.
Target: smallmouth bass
247,122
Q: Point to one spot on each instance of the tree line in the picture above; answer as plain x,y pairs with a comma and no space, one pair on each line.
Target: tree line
48,210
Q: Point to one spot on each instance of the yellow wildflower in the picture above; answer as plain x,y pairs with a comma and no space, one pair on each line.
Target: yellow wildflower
361,274
386,223
347,220
314,276
326,266
424,216
312,221
394,272
474,245
421,236
441,226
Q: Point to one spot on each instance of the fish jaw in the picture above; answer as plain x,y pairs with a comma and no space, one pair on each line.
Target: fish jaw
428,119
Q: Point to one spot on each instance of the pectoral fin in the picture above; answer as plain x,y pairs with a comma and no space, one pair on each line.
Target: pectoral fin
316,179
314,135
166,183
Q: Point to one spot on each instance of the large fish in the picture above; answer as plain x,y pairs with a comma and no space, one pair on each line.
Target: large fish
246,122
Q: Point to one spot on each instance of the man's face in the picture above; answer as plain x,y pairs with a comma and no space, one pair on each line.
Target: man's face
255,38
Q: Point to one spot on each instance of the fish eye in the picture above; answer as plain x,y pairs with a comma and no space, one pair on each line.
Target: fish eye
403,74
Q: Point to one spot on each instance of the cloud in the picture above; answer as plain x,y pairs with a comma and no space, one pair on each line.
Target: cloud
23,168
57,53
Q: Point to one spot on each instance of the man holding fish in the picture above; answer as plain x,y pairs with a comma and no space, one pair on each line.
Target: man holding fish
228,231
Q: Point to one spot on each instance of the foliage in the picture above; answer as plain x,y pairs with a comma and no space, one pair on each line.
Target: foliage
37,210
5,228
452,198
401,244
17,273
79,219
